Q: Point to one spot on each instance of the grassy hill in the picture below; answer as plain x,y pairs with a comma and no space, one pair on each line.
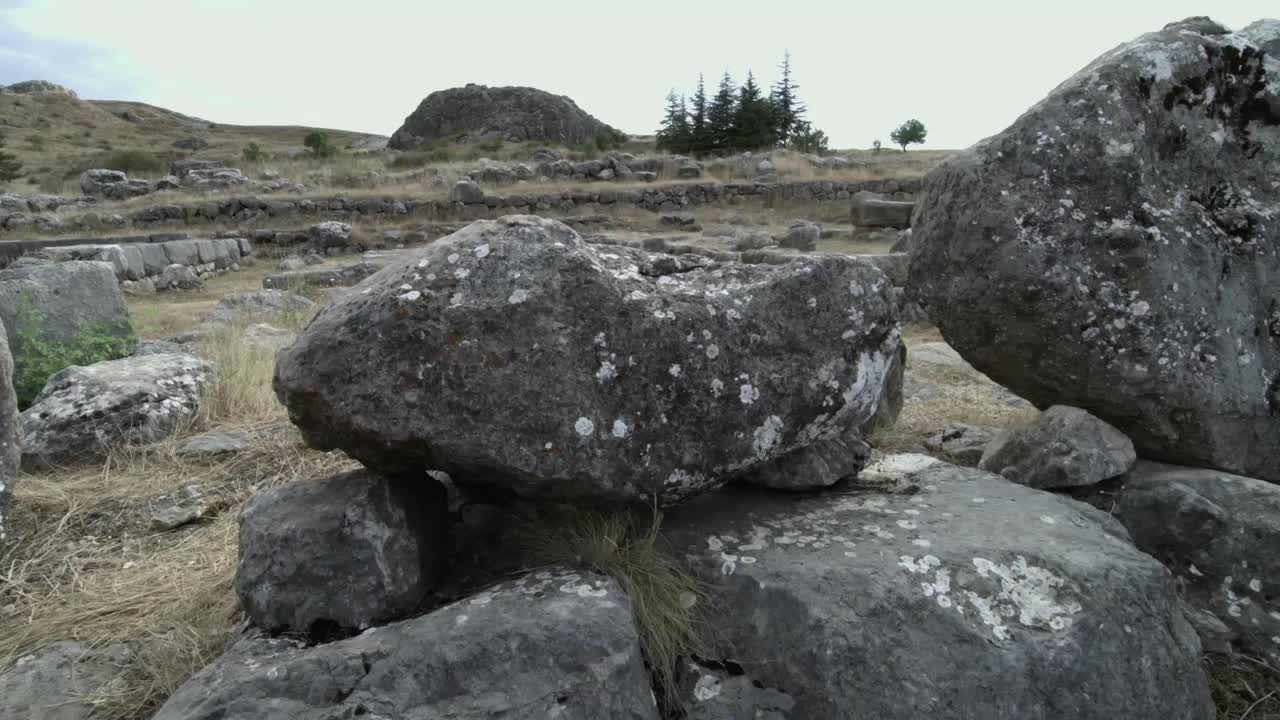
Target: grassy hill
57,136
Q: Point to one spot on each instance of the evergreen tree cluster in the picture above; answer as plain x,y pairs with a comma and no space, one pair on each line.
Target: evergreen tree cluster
736,119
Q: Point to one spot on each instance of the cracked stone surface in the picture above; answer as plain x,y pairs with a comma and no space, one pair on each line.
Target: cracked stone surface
554,644
513,353
134,400
1217,533
1117,248
931,590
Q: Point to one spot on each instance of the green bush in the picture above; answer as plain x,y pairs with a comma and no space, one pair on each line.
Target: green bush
135,162
253,153
492,145
318,142
610,139
410,160
36,359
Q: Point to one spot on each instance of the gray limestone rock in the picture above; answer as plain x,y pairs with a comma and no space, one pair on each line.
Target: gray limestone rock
1116,248
930,590
551,645
513,353
61,681
1065,447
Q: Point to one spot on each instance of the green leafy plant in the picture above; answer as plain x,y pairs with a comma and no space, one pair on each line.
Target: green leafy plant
318,142
36,358
911,132
253,153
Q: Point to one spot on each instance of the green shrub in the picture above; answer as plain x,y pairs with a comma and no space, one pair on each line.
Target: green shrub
318,142
36,359
492,145
410,160
609,139
253,153
135,162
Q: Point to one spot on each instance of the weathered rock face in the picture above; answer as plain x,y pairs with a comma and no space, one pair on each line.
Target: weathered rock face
1065,447
514,353
112,184
10,435
513,113
60,302
929,595
1116,248
137,399
801,235
466,192
961,443
329,234
61,681
349,551
1217,532
552,645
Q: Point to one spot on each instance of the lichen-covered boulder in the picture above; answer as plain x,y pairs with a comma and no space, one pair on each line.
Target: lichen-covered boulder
135,400
348,551
513,353
551,645
935,591
1218,533
1117,248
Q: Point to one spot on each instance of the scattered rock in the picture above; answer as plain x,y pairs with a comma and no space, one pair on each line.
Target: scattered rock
1217,532
191,143
268,337
135,400
961,443
112,184
330,234
391,534
256,306
183,508
1065,447
971,580
341,276
872,210
213,444
1073,260
689,171
61,681
145,286
672,374
801,235
466,192
291,263
179,277
683,221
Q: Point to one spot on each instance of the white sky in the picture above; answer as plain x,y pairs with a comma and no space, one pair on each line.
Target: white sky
965,68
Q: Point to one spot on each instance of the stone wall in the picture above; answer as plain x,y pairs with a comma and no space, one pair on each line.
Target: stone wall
655,198
133,262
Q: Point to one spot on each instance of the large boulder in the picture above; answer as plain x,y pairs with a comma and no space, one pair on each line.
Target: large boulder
1218,533
134,400
871,210
551,645
942,592
518,114
62,681
112,184
466,192
71,312
1116,248
10,435
391,535
1065,447
329,234
513,353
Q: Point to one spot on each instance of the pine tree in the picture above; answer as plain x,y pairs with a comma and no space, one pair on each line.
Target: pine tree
699,139
753,123
787,108
10,168
674,136
721,114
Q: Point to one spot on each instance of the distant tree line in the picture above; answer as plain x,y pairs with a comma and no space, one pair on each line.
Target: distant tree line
736,119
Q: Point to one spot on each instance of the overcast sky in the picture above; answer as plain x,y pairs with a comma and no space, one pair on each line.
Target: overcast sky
966,69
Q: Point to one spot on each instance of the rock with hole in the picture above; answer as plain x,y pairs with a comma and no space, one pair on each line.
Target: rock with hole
515,354
1116,249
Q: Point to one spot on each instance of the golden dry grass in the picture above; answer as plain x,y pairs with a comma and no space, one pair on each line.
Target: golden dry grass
85,565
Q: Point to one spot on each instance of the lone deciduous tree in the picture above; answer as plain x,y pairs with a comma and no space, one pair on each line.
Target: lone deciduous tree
911,132
10,168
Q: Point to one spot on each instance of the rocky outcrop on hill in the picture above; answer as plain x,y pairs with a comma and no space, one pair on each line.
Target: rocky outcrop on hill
1116,249
31,87
619,374
518,114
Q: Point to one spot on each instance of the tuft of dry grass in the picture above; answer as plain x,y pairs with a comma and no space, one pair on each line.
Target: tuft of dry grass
1244,688
668,602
